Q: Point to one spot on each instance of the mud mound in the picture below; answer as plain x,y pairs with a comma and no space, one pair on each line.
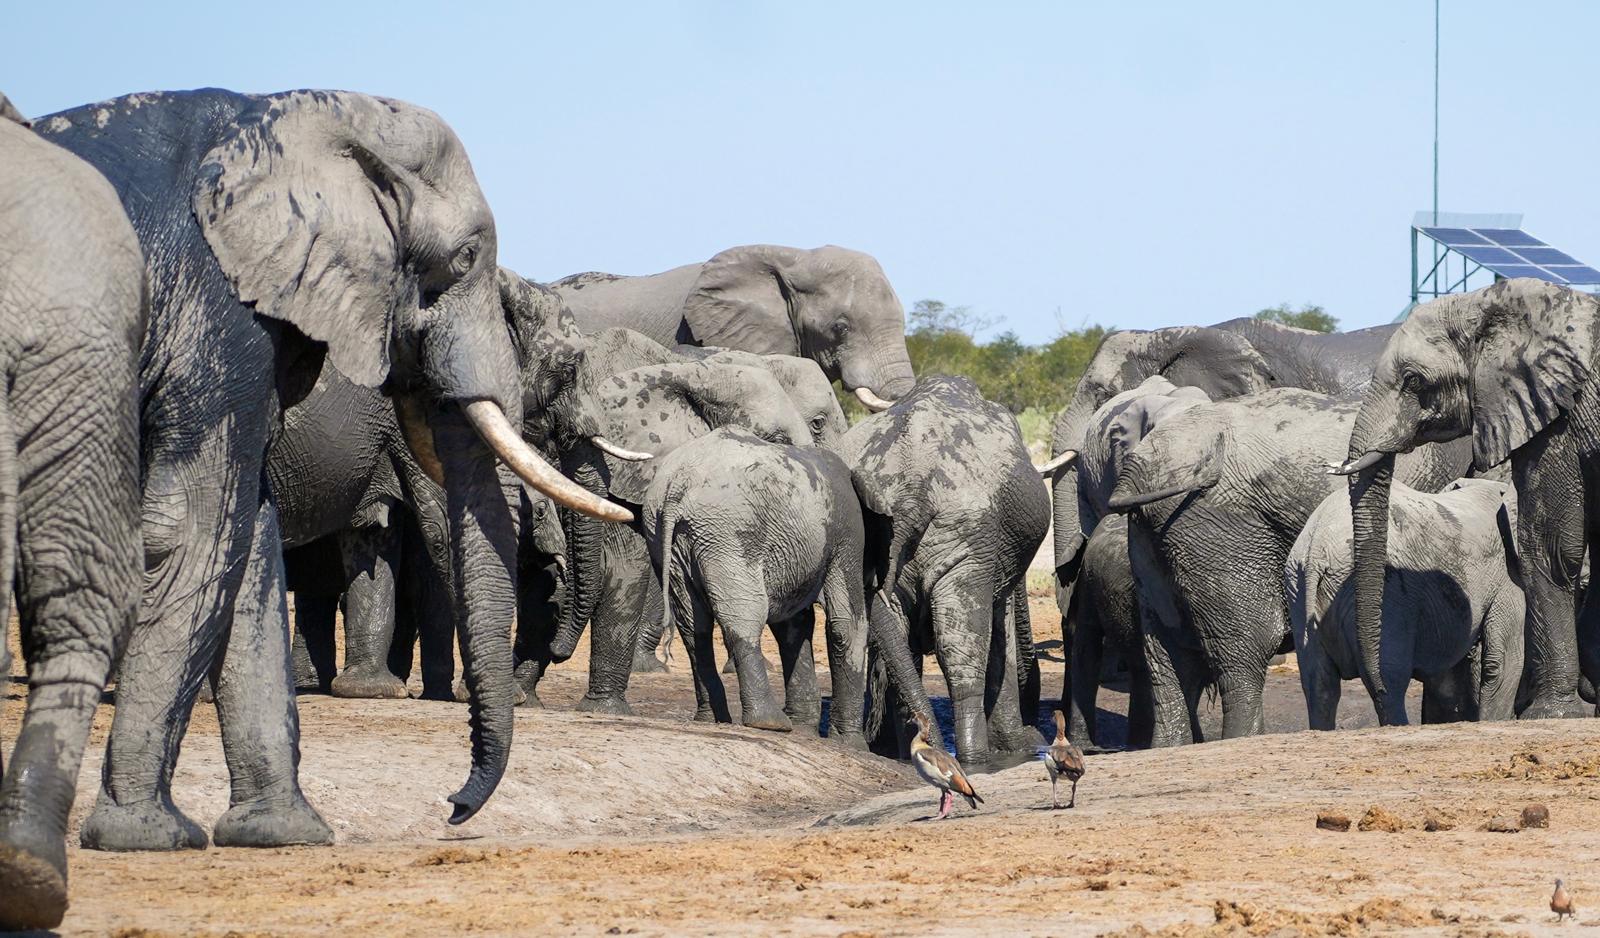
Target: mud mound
1243,918
1549,766
379,771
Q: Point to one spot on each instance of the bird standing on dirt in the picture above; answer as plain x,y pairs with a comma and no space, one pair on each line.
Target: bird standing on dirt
1063,758
941,770
1561,903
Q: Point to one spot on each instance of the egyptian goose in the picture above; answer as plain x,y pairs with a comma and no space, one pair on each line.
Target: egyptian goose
941,770
1063,758
1561,903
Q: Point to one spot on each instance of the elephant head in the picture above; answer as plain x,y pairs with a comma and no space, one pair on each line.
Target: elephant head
829,304
1116,428
358,221
1501,364
802,379
1221,364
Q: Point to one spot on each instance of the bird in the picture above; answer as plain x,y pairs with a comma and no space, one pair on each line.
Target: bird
1063,758
941,770
1561,903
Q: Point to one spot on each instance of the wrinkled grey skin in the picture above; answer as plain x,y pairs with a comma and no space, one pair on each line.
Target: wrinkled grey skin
829,304
954,513
1217,495
72,316
1510,366
746,533
1240,356
280,230
1453,605
1104,609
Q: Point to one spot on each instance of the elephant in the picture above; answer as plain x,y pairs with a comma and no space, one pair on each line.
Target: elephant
1104,608
1230,359
954,513
280,232
829,304
1216,496
72,316
748,533
1454,606
1511,367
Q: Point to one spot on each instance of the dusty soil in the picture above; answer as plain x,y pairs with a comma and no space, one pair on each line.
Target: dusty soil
652,825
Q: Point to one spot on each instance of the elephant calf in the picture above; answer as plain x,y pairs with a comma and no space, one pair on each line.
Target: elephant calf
749,533
1452,611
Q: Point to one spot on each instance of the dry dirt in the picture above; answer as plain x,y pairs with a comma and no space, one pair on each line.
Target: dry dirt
652,825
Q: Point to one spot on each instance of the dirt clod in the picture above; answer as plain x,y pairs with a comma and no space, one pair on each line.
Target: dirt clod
1535,815
1332,821
1382,819
1434,821
1503,825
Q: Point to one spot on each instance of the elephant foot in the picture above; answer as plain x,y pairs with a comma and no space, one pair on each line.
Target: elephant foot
256,824
368,681
35,890
646,662
528,698
1557,708
1015,737
849,739
433,692
766,718
142,825
459,694
705,716
615,706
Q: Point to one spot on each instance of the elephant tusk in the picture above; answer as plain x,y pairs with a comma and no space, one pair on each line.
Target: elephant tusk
611,449
872,401
419,438
1065,459
1353,466
496,430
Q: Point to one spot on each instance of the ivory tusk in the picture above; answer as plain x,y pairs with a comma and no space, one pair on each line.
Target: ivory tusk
612,449
496,430
1065,459
419,437
872,401
1366,461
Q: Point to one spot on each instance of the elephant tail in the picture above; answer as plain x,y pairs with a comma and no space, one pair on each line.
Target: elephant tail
668,569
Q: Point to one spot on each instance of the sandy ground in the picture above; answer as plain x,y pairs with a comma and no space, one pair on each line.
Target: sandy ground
652,825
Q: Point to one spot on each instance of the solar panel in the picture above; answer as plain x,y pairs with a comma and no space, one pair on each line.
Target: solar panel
1490,257
1544,257
1524,270
1454,236
1578,274
1510,237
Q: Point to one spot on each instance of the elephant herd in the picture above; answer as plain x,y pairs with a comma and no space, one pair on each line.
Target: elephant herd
1224,494
255,344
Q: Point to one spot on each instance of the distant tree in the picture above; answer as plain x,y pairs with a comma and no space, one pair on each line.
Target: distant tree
1309,316
933,317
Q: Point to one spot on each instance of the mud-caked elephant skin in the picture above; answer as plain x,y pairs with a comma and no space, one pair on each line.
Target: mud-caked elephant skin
1453,605
1512,368
747,534
72,316
954,513
1217,494
830,304
281,231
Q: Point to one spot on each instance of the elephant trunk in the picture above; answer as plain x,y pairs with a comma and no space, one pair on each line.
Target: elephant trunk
885,376
1369,507
585,564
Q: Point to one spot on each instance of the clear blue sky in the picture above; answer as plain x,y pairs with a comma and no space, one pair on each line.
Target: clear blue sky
1135,164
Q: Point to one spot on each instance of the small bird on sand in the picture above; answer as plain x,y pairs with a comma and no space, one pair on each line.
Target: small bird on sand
941,770
1561,903
1063,758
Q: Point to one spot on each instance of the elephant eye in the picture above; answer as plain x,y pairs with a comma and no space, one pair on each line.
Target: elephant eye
465,258
1411,383
817,422
840,327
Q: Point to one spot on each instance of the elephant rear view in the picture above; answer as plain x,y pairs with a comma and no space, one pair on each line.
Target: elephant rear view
72,317
1452,612
955,513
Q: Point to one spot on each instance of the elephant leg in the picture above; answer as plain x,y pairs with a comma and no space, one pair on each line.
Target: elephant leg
694,621
256,710
314,654
964,644
1003,695
1450,695
845,628
1081,686
1241,689
1502,658
802,702
1141,703
651,634
434,620
369,560
73,495
538,612
742,613
1550,534
1319,681
613,633
1174,691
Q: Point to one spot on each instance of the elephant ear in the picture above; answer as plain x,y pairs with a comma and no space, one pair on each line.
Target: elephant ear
1181,454
304,204
1222,364
1535,343
742,300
